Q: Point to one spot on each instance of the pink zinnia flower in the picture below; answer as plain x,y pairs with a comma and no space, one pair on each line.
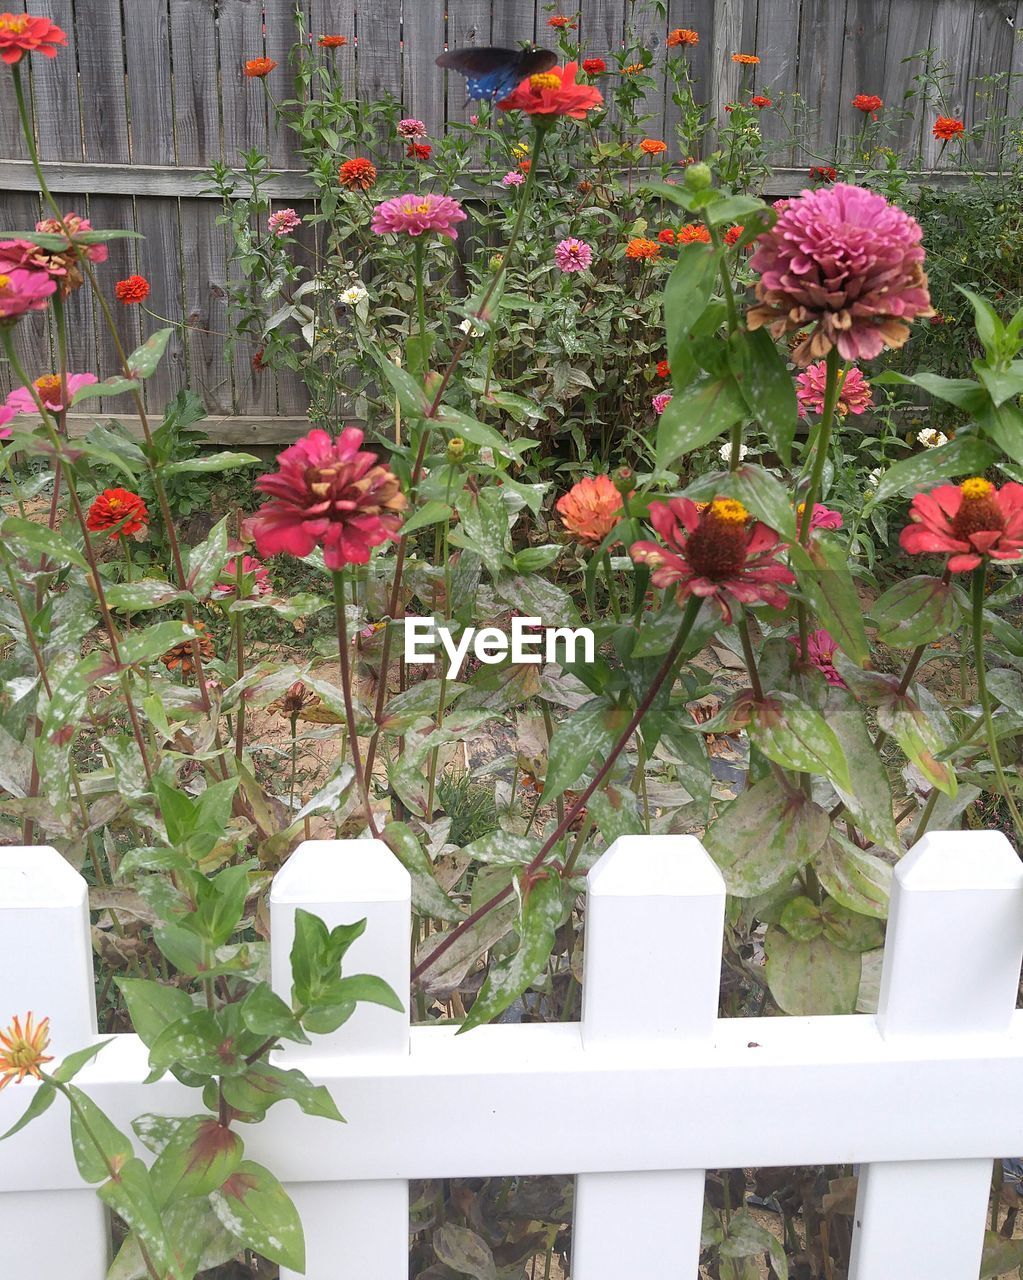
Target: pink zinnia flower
49,389
854,394
474,119
22,291
414,215
844,263
513,179
573,255
972,521
6,414
255,575
283,222
820,653
328,493
821,517
661,402
411,128
717,552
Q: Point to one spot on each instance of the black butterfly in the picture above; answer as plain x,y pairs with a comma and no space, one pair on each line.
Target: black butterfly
494,73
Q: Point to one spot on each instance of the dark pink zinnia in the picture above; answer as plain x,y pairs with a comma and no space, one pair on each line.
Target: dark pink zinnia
845,264
854,395
331,494
820,653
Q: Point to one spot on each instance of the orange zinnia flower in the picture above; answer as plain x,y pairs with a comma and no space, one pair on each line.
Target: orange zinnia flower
120,511
134,289
22,1050
181,655
257,68
591,509
733,233
332,42
948,127
759,101
693,233
653,146
357,174
559,23
746,59
525,165
681,36
632,68
638,248
663,369
867,102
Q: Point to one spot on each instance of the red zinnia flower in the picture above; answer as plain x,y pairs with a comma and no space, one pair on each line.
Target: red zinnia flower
823,173
120,511
821,647
948,127
328,493
867,102
553,93
20,33
525,166
821,517
663,369
257,68
681,36
332,42
693,233
591,509
134,289
716,552
667,236
559,23
419,150
594,66
759,101
972,520
733,234
357,173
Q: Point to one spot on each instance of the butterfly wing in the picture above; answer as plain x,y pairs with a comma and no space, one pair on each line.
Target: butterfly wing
492,72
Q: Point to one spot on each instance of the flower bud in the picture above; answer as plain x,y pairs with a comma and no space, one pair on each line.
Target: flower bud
624,480
698,176
456,449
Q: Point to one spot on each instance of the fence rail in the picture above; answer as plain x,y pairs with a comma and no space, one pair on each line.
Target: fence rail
638,1099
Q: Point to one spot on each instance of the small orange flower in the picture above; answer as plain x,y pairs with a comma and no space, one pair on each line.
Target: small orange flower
181,655
682,36
693,233
134,289
560,23
633,68
948,127
591,509
663,369
357,174
733,233
653,146
746,59
525,166
638,249
257,68
120,511
332,42
22,1050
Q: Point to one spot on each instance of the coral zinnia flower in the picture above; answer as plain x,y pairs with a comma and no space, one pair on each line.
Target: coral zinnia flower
553,93
746,59
821,647
733,234
572,255
120,511
867,102
331,494
410,128
591,509
854,395
134,289
666,236
693,233
20,33
257,68
639,249
594,66
653,146
182,658
22,291
681,36
759,101
414,215
972,521
717,552
948,127
332,42
49,389
357,174
22,1050
820,173
846,264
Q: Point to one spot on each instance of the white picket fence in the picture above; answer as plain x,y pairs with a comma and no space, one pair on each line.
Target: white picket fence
638,1099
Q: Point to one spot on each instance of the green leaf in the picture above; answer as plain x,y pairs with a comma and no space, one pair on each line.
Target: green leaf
152,1007
131,1197
429,513
1001,1256
199,1239
41,540
198,1159
263,1085
822,571
811,978
587,732
223,461
990,329
801,919
74,1062
207,560
851,930
109,387
365,988
767,387
484,526
762,495
687,293
153,641
915,611
476,432
869,795
464,1251
901,716
733,209
42,1100
794,735
696,416
503,849
428,898
1004,425
51,240
411,395
964,393
858,880
507,979
746,1239
97,1143
966,455
266,1014
763,836
146,593
143,360
254,1206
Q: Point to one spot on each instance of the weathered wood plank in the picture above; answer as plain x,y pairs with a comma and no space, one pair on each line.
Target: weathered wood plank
726,77
281,37
239,432
204,288
148,54
12,140
698,18
378,57
123,260
515,21
777,45
909,32
821,48
160,251
20,212
101,81
335,18
650,31
951,39
866,45
468,27
990,63
193,36
243,100
1014,12
55,92
424,31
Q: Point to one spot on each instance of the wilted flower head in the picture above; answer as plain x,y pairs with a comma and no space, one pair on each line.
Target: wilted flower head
296,699
415,214
119,510
821,647
970,522
21,33
846,264
328,493
181,657
660,402
931,438
23,1050
553,93
573,255
410,128
283,222
854,394
49,389
591,509
513,179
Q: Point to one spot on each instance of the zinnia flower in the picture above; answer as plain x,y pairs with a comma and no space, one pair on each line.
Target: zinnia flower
257,68
525,166
49,389
134,289
560,23
820,173
666,236
930,438
295,699
357,174
594,66
419,151
63,265
255,579
663,369
681,36
759,101
120,511
661,401
353,295
867,103
415,215
283,222
23,1049
972,521
820,652
6,414
591,509
22,291
21,33
653,146
573,255
181,657
854,394
410,128
332,42
948,127
693,233
821,517
331,494
634,68
725,453
640,249
733,234
718,552
846,264
746,59
513,179
553,93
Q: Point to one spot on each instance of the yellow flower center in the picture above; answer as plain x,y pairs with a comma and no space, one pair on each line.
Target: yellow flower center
976,487
18,24
728,511
48,387
545,80
521,148
5,282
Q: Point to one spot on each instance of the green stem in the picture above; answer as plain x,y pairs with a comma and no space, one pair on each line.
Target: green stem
823,444
979,579
346,690
605,561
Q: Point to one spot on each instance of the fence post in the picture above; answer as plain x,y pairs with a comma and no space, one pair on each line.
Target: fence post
652,969
46,968
951,968
353,1230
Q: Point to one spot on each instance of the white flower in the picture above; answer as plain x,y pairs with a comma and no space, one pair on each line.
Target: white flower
725,453
874,478
470,326
930,438
353,296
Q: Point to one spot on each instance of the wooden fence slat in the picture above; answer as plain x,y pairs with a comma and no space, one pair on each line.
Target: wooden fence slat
468,27
101,82
821,49
335,18
909,31
55,92
12,140
193,34
281,37
866,43
19,211
951,39
651,31
123,260
378,57
698,17
423,81
515,21
990,54
777,46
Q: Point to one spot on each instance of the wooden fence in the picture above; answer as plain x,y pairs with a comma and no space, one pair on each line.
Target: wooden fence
149,92
638,1099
